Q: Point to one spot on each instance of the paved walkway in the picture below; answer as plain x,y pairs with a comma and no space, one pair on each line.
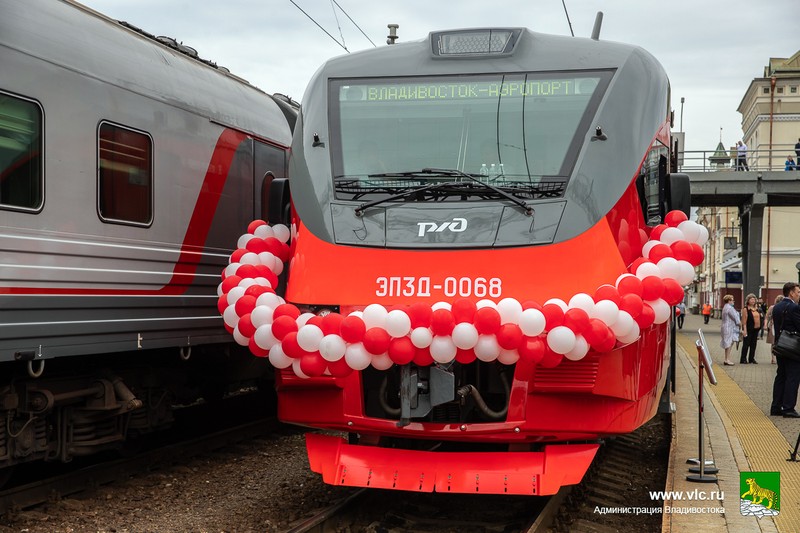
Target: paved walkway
740,436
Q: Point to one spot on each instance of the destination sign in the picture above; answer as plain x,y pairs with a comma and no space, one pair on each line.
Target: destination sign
461,90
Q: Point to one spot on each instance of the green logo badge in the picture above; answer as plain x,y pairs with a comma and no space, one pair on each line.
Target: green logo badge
761,493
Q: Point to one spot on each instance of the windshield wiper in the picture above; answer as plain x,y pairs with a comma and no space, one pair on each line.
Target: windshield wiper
452,172
409,192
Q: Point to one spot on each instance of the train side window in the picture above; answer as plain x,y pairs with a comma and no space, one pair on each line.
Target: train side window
652,183
125,175
21,162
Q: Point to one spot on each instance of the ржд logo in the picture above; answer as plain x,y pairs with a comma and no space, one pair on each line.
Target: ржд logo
457,225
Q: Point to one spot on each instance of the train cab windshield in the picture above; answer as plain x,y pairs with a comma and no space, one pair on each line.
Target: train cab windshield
518,132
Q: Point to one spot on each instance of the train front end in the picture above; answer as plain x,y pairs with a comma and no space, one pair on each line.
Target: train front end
466,215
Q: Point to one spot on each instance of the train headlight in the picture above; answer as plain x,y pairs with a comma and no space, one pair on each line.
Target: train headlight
474,43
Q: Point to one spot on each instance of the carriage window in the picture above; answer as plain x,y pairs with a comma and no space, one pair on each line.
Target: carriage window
125,162
20,153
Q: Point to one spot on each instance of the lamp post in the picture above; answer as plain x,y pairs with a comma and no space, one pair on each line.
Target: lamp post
682,100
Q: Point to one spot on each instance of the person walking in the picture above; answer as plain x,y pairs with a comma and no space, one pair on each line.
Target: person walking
750,326
707,312
741,156
729,330
786,317
770,324
680,314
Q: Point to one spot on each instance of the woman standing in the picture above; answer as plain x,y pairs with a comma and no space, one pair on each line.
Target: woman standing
750,325
730,327
771,325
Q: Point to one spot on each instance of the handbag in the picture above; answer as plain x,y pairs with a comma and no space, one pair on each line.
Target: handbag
787,345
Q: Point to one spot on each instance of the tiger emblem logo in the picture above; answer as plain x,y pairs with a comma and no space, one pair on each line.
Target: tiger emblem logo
759,494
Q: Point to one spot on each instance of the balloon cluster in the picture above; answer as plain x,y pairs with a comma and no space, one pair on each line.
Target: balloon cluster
506,331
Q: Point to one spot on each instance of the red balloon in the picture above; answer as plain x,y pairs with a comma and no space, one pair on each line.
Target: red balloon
442,322
632,304
255,291
422,357
401,350
655,234
577,320
652,288
263,271
255,349
636,264
273,246
228,328
352,329
283,251
531,349
237,254
553,316
312,364
245,305
630,285
697,254
646,317
331,324
247,271
229,283
288,310
251,228
420,315
376,341
607,292
256,246
222,303
596,333
607,344
509,336
660,251
530,304
551,359
246,326
675,217
465,357
682,250
315,320
340,368
291,347
464,310
282,326
487,320
673,292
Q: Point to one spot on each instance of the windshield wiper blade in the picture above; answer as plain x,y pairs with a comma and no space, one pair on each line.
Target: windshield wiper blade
359,211
457,173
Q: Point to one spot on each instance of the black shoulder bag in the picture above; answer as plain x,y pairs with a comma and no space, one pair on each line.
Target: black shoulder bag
787,343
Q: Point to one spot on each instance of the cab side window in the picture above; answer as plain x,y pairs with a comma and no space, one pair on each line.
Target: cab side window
125,175
21,161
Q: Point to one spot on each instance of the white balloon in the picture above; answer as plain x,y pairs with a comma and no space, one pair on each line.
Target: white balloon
487,349
247,282
532,322
249,258
239,338
281,232
690,229
297,370
309,337
230,270
264,231
623,325
264,282
244,239
278,358
561,339
230,317
266,258
669,268
559,302
508,357
398,323
670,235
234,294
647,269
276,266
582,301
661,309
381,362
580,349
264,338
357,357
686,274
510,311
465,336
632,336
303,319
605,310
332,347
647,247
219,290
443,350
703,235
375,316
486,303
441,305
270,299
421,337
261,315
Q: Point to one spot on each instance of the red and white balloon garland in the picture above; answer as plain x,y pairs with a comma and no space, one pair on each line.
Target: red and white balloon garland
506,331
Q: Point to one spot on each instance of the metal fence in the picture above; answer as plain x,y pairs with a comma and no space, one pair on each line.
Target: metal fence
759,159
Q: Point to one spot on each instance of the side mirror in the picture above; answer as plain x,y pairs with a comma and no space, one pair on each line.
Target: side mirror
278,202
679,193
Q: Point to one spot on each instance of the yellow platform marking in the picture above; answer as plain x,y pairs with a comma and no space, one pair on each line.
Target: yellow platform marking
764,445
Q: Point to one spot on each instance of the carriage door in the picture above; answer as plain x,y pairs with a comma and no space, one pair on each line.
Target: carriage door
269,163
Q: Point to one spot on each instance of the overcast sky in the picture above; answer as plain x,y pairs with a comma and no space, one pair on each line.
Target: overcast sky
711,50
